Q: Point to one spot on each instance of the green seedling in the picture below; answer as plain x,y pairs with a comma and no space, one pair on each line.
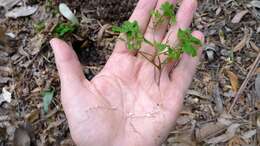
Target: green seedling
134,38
166,12
64,28
188,42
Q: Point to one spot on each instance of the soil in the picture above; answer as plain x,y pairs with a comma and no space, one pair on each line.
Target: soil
27,69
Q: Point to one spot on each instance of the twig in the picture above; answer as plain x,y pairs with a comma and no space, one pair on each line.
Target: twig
243,86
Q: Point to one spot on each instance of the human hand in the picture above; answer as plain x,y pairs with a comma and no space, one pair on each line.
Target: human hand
125,105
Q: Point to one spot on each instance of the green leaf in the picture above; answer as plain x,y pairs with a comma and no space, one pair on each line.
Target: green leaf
116,29
47,98
195,41
167,9
134,37
156,14
183,34
173,20
64,28
189,49
187,42
160,46
157,17
130,46
173,54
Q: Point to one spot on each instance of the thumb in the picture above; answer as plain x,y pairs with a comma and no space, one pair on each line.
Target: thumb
67,62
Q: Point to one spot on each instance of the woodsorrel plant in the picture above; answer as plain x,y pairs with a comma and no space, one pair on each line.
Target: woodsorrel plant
134,38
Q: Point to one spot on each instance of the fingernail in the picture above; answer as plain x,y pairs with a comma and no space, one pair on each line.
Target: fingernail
52,42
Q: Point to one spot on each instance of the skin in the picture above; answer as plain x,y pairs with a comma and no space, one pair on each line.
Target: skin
124,105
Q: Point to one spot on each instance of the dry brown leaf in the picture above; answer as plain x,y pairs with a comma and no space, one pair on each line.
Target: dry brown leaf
211,129
237,18
21,11
35,44
218,11
229,134
102,31
32,116
7,4
243,42
233,80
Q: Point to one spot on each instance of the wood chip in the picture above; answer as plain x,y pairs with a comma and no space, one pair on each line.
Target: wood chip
237,18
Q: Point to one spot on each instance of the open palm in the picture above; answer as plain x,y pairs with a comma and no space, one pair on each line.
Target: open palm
128,103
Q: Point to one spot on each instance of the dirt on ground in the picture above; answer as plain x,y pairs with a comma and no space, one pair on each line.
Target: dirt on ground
221,107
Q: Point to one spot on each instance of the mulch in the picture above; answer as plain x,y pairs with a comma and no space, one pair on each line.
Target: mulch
210,116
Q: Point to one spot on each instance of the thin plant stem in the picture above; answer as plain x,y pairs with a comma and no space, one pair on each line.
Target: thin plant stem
148,42
145,53
149,60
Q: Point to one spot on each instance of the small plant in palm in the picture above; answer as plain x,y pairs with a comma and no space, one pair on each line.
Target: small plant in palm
134,38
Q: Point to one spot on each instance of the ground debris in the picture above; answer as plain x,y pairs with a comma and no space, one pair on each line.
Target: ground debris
5,96
229,134
243,41
211,129
257,86
237,18
7,4
27,66
21,137
21,11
